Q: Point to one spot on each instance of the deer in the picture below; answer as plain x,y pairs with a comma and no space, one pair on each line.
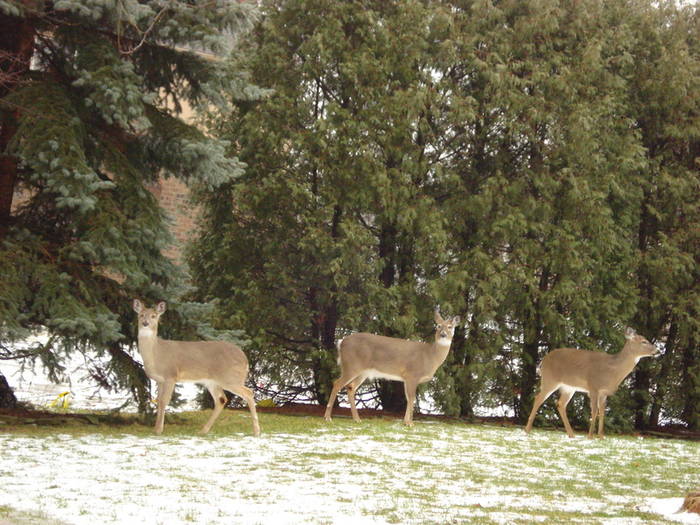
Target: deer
599,374
364,356
218,365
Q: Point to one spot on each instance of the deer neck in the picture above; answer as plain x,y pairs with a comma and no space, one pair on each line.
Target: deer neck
624,362
148,341
439,350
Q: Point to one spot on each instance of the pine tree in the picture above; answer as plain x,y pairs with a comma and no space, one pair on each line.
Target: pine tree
89,99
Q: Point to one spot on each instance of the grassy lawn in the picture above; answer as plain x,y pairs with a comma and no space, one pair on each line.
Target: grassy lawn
304,470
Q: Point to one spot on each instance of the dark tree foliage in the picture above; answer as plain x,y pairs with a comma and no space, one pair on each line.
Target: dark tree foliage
664,101
531,166
89,95
336,224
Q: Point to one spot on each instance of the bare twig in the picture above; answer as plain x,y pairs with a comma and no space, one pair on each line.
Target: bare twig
144,34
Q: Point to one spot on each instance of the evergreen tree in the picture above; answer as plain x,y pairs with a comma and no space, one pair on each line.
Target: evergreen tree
540,152
507,160
336,224
89,95
664,101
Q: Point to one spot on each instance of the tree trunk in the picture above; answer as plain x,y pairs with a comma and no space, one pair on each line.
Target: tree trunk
323,327
662,379
323,330
391,393
532,334
7,396
641,382
463,359
16,49
640,395
392,396
528,377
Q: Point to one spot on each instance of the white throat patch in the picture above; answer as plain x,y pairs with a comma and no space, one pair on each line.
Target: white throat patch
146,331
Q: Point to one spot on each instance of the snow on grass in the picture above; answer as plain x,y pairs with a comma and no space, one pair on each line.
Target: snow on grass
305,471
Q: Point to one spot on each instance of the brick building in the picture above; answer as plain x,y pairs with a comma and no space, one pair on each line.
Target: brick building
173,196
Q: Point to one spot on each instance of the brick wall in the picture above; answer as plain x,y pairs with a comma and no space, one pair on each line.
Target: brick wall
173,197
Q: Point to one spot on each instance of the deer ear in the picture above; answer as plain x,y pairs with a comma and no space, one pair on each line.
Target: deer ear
161,307
630,333
438,317
137,306
456,320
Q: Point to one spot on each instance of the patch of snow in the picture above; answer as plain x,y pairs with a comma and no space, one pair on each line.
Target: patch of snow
668,508
337,474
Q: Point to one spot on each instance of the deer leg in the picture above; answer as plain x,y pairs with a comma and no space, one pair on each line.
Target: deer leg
247,395
540,398
601,415
165,392
219,397
410,389
352,388
594,412
337,385
565,395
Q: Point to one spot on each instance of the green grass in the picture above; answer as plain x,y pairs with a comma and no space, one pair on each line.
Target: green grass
377,470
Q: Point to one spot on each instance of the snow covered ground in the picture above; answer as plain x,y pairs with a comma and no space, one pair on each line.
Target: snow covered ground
378,472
